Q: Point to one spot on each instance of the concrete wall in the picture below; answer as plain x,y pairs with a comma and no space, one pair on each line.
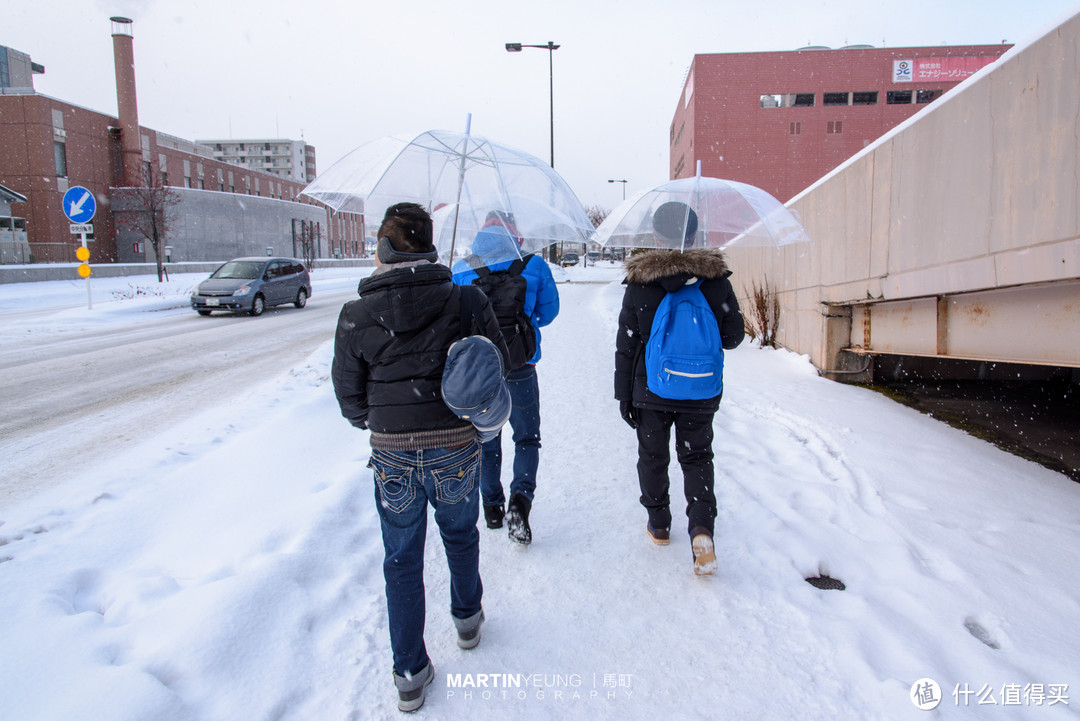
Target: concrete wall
208,225
978,192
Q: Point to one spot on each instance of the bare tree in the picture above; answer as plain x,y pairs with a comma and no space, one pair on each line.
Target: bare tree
596,214
307,236
147,211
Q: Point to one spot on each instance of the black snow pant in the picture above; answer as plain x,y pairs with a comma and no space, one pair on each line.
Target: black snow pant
693,448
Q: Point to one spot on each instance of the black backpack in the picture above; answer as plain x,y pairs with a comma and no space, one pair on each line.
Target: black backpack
506,290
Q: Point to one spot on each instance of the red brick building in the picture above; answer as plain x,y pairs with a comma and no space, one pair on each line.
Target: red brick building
782,120
48,145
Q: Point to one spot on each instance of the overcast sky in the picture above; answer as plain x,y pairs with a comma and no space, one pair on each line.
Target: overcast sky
343,73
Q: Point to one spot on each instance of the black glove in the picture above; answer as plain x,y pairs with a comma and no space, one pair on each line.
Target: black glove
629,414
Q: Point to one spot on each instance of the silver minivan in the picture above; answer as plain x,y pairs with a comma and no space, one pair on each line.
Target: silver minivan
249,285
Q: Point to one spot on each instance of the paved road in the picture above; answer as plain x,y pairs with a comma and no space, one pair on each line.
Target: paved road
69,397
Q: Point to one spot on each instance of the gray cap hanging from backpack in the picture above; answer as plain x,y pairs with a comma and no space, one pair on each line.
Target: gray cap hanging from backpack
473,384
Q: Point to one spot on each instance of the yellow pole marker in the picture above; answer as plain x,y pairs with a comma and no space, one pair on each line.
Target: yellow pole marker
83,254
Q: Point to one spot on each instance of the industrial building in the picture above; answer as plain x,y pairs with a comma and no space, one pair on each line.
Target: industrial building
219,210
945,253
948,251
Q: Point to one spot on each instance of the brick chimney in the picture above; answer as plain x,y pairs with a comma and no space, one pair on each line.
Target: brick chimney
128,107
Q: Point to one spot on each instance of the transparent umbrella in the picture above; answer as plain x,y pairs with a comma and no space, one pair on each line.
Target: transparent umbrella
700,212
465,181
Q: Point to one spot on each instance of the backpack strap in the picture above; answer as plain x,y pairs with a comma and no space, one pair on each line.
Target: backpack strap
519,265
470,310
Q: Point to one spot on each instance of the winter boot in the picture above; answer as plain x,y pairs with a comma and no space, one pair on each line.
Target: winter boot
468,629
659,536
411,689
517,519
493,515
704,553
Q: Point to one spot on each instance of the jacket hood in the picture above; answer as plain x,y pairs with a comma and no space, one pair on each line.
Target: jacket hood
675,267
495,241
408,298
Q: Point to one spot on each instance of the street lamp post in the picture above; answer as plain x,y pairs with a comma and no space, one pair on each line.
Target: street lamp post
550,47
623,187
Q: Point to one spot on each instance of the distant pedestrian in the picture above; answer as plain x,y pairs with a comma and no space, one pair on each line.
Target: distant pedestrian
389,354
650,277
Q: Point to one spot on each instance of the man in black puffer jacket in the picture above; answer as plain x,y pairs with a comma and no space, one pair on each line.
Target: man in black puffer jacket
389,354
649,277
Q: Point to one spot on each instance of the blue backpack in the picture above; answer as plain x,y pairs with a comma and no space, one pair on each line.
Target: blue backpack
684,358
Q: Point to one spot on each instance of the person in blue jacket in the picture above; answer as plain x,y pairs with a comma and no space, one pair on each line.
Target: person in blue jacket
541,306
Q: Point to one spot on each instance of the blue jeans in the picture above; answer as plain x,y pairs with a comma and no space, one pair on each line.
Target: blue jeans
405,482
525,422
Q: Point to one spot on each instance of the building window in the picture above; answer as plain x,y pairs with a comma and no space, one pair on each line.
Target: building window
898,97
679,136
803,100
60,152
835,99
834,127
164,178
771,101
925,96
187,181
864,98
201,185
796,128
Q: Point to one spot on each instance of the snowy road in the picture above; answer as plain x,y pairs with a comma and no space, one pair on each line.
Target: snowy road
71,397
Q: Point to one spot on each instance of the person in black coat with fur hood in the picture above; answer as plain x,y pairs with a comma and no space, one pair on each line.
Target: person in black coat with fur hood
649,277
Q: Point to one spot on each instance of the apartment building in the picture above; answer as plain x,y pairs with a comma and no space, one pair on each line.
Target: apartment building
292,159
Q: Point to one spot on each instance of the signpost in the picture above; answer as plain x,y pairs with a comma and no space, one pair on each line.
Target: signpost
79,207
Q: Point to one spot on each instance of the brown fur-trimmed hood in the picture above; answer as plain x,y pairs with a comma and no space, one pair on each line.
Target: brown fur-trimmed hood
656,265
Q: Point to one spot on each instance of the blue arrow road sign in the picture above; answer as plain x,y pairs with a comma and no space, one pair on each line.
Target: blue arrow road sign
79,204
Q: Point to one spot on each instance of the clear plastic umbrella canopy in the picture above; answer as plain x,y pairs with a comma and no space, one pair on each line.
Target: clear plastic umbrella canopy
700,212
463,180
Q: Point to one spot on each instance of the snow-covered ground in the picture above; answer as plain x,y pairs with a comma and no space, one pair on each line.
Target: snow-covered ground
230,569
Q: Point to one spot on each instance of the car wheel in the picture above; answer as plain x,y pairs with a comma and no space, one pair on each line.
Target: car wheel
301,298
258,305
203,312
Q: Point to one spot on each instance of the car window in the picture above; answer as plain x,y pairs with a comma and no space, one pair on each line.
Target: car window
274,271
245,269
